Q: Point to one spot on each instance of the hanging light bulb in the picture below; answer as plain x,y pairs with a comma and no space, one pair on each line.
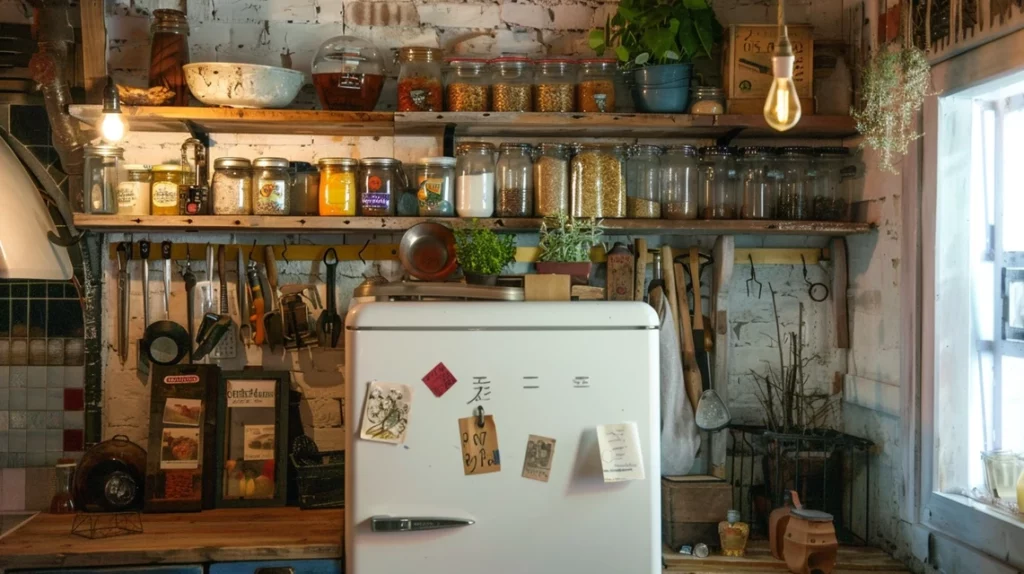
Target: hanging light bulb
782,107
113,126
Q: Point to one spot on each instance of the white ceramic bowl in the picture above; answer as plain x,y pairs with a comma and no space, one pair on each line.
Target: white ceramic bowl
243,85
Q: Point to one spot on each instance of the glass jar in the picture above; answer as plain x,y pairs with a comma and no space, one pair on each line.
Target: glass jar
794,191
435,186
1001,473
596,87
707,101
169,54
831,196
338,189
419,80
305,189
758,182
515,181
381,180
643,182
133,191
348,74
467,82
270,186
104,170
679,182
63,478
232,186
512,84
551,179
166,179
554,89
598,181
474,179
718,183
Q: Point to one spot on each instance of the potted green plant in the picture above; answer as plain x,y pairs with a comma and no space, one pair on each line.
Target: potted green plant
565,244
659,39
482,253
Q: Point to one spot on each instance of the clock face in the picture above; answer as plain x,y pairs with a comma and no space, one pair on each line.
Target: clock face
751,59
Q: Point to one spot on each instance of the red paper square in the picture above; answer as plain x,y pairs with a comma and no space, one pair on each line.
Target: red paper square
74,440
74,400
439,380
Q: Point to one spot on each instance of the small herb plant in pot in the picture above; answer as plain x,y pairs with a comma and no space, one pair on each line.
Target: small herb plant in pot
483,254
659,39
565,244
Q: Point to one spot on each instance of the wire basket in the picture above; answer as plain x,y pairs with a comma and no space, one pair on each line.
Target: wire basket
321,483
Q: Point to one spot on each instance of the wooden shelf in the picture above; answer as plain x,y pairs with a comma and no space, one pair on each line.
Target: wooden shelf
332,225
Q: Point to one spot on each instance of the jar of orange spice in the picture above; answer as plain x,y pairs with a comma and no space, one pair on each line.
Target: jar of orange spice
419,80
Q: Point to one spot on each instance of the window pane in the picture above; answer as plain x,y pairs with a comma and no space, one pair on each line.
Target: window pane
1013,403
980,417
1013,172
988,155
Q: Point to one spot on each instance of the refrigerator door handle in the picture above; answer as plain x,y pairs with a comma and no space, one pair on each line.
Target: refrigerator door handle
414,524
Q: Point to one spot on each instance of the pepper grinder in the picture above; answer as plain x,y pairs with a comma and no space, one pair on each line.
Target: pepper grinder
194,195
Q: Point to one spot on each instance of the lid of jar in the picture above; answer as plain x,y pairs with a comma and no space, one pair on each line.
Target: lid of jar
513,61
601,147
684,149
103,150
229,162
137,167
552,146
420,54
837,151
468,60
380,161
441,161
301,167
719,150
706,91
751,151
338,162
279,162
513,145
165,167
465,147
347,54
646,149
795,150
175,16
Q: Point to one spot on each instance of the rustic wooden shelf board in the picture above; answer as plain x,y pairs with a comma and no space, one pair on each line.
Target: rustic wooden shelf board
759,559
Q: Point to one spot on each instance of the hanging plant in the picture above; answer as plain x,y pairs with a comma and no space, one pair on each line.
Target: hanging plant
894,84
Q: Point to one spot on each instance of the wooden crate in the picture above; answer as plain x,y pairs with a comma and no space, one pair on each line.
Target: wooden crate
747,69
691,508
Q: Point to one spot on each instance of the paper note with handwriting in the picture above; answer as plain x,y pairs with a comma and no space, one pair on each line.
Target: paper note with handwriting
479,446
621,458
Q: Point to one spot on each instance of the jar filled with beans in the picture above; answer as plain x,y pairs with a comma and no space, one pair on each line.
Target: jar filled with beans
596,88
551,179
554,89
467,82
598,181
512,84
419,80
643,182
515,181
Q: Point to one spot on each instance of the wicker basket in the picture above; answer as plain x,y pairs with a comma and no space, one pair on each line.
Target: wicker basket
321,485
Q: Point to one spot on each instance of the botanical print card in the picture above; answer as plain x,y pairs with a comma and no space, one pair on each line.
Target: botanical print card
386,412
540,452
621,458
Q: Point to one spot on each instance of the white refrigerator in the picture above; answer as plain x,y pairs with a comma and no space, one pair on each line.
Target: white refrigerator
552,370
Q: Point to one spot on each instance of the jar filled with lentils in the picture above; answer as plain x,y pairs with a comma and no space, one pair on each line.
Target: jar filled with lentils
467,82
718,183
435,186
232,186
596,88
381,180
512,84
419,80
598,181
551,179
757,182
271,186
794,191
515,181
679,182
474,179
554,89
643,182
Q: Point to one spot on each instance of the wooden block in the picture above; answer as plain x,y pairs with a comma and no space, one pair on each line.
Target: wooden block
587,293
697,498
547,287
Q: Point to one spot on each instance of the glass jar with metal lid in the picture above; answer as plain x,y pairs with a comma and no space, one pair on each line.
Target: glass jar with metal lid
232,186
757,181
468,85
419,80
435,186
515,181
270,186
643,182
596,88
831,193
554,88
339,191
512,84
679,182
381,180
474,179
718,183
348,74
794,191
166,179
707,101
551,179
598,181
104,171
133,193
305,188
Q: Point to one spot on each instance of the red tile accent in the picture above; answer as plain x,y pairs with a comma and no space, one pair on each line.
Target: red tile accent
74,440
74,400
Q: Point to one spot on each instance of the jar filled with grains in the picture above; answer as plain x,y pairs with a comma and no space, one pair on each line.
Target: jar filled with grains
419,80
758,182
718,183
467,83
680,182
643,182
474,179
232,186
512,84
596,87
555,87
551,179
338,191
133,193
707,101
271,186
435,186
831,196
794,191
598,181
515,181
305,188
164,189
381,180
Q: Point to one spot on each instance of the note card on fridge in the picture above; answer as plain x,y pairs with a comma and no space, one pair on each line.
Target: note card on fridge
621,458
480,453
386,412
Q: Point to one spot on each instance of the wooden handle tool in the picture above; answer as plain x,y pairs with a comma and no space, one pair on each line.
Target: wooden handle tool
691,373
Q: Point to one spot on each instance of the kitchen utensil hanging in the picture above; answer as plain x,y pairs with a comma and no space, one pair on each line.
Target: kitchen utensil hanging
272,321
227,348
329,326
166,342
142,358
753,278
820,288
124,290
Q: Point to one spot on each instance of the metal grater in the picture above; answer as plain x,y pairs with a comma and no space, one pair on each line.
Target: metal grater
227,348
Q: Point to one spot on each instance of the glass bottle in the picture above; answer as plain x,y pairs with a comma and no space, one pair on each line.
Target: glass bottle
515,181
598,181
596,85
551,179
232,186
717,183
381,180
167,178
474,179
512,84
755,172
794,193
63,478
679,182
169,54
338,189
104,171
435,186
467,85
643,182
831,197
419,80
305,189
707,101
733,534
555,86
133,193
270,186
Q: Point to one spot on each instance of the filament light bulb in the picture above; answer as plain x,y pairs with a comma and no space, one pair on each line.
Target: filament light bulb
782,106
113,128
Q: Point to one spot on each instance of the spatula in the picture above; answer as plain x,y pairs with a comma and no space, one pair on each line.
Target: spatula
272,320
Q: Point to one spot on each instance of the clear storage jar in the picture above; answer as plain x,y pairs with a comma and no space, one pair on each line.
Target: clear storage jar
104,170
596,85
133,193
831,194
419,80
512,84
598,181
468,85
305,189
554,89
270,186
794,192
551,179
679,182
232,186
435,186
758,182
381,181
166,179
338,189
643,182
515,181
474,179
718,183
348,74
707,101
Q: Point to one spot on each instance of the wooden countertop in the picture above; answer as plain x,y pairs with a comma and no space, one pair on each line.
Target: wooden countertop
210,536
851,560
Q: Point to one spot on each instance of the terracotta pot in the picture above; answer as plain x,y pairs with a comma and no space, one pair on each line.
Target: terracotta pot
778,521
579,271
810,545
475,279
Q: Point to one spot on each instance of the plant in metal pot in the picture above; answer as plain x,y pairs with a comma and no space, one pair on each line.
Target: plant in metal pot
482,253
565,244
659,39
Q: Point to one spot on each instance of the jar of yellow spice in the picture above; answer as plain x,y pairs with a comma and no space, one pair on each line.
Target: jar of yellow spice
598,181
338,185
467,85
